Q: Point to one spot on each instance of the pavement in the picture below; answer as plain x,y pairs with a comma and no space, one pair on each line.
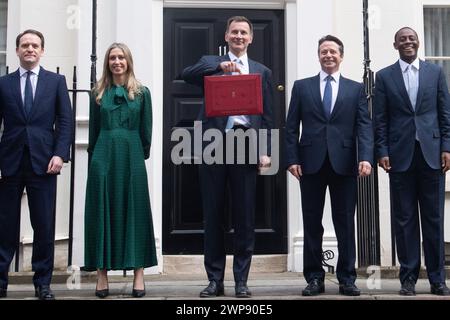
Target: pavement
264,286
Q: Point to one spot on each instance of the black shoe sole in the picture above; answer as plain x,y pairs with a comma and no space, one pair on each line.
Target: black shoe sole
440,293
207,295
138,293
102,293
312,294
349,294
243,295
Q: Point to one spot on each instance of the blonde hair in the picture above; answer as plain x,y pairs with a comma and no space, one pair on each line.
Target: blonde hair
132,85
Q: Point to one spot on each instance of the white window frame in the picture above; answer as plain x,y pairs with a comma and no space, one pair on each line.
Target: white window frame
3,53
444,5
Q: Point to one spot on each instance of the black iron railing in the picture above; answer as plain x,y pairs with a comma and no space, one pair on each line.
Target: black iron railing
368,224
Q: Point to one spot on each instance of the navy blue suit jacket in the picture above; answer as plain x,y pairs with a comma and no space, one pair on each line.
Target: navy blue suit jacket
210,65
347,136
48,130
396,122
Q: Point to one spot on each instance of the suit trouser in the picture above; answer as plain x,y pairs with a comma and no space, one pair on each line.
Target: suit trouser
41,191
343,192
241,179
419,186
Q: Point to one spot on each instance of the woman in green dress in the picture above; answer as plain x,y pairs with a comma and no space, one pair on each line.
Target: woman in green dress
118,222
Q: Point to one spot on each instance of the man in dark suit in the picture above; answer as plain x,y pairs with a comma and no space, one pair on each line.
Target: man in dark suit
37,118
241,177
412,141
335,146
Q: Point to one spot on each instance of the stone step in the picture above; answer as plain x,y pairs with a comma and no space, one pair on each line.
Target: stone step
193,264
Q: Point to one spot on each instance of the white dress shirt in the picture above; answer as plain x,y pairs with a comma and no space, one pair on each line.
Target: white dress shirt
334,85
410,74
33,78
242,63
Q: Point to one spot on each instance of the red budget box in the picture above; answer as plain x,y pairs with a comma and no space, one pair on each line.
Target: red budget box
233,95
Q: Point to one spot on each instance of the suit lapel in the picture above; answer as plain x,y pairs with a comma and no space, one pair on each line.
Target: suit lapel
422,81
253,68
397,76
315,92
40,90
340,97
15,89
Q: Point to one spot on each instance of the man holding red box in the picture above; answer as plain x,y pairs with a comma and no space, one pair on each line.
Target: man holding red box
242,177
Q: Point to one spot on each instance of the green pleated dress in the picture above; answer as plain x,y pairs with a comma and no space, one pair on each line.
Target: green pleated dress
118,219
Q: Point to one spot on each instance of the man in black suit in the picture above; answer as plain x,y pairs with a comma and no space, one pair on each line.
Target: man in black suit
412,141
37,118
241,177
335,146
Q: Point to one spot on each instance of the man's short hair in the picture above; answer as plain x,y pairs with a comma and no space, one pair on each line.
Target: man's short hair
403,28
334,39
239,19
35,32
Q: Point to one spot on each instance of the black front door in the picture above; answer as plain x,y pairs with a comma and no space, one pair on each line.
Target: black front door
189,34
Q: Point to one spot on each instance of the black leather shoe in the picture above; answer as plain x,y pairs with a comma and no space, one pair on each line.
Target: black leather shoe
3,293
214,289
241,290
408,288
44,293
440,289
349,289
314,287
102,293
137,293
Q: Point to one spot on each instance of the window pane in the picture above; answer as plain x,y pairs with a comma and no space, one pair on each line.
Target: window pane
446,65
437,31
2,64
3,18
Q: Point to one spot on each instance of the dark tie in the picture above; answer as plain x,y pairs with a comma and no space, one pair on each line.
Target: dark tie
327,96
28,100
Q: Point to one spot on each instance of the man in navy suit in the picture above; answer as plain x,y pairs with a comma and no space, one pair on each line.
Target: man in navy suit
336,145
37,118
242,177
412,142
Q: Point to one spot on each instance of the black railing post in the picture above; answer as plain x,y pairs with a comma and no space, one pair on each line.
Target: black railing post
367,209
72,165
94,44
